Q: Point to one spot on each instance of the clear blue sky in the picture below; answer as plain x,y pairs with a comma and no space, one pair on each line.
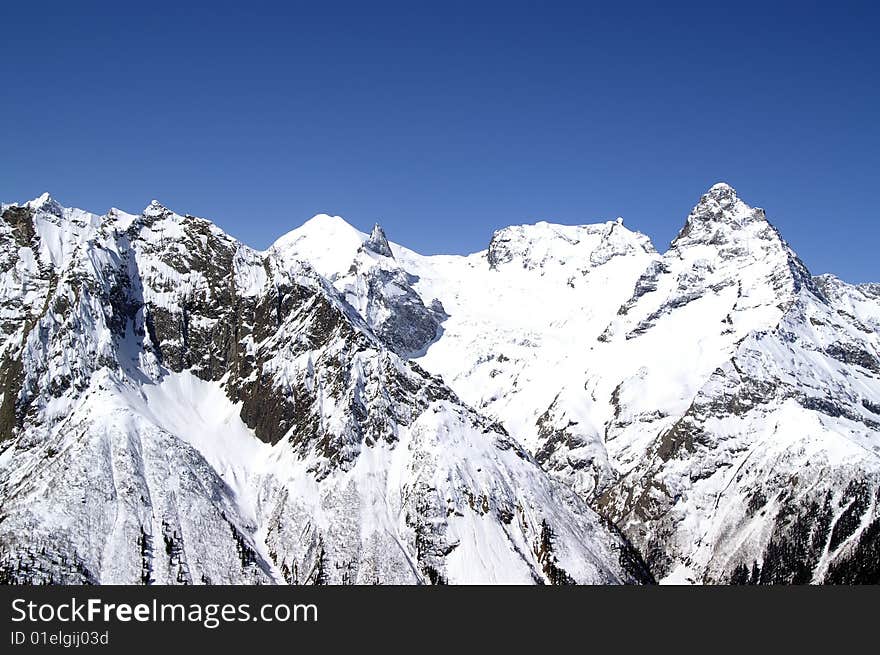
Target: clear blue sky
445,121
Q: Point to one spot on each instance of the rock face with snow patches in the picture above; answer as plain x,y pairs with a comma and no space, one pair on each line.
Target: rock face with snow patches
740,423
717,402
179,408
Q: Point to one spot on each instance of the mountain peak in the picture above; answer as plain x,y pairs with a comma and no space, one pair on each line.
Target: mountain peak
741,237
723,194
378,242
155,208
326,220
321,230
542,244
45,202
40,200
328,242
720,208
722,188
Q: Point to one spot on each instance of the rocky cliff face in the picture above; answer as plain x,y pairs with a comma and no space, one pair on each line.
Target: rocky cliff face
179,408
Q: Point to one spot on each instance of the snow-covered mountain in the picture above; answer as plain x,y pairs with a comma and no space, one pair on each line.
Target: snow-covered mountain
716,401
179,408
742,418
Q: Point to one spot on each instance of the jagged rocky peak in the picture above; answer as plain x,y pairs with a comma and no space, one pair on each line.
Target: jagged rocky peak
871,289
40,201
719,211
722,190
543,245
45,203
831,286
378,242
722,228
721,194
382,292
725,249
855,301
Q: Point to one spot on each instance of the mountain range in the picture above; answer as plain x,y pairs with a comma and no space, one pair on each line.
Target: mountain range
568,406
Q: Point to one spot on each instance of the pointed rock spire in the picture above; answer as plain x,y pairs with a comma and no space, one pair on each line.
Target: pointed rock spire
378,242
720,208
46,203
40,200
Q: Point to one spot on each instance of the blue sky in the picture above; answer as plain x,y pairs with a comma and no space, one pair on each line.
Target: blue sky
445,121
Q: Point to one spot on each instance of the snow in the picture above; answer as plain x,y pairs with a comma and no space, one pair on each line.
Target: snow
131,471
527,313
507,349
328,243
673,388
39,201
60,236
202,415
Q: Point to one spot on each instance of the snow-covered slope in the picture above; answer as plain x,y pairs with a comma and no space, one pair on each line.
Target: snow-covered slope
716,401
179,408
